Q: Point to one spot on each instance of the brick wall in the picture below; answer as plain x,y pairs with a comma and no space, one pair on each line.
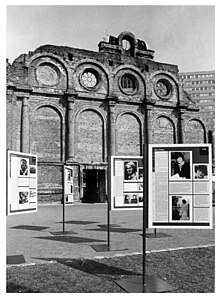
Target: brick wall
46,134
51,77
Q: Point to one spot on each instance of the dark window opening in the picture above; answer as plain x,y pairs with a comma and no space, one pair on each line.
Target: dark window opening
70,57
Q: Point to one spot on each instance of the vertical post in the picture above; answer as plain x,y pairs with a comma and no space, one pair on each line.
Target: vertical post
25,126
70,129
145,213
63,214
108,219
148,108
111,128
147,119
64,191
111,151
109,201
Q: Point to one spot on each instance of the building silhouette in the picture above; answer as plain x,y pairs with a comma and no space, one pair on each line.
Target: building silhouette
76,107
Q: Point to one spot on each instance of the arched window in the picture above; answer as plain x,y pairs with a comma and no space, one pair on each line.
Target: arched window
128,135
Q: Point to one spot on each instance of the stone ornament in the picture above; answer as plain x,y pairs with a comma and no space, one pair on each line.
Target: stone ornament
47,74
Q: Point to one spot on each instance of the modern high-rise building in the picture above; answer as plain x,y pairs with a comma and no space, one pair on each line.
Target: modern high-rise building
201,88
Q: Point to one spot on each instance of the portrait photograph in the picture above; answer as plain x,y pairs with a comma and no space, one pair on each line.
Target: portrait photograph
23,167
200,171
180,165
130,170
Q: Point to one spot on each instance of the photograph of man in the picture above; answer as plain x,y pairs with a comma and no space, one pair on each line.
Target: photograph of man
24,167
180,169
201,172
130,170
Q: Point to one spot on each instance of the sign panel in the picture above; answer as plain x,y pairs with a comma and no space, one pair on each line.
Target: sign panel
21,182
126,182
68,185
180,186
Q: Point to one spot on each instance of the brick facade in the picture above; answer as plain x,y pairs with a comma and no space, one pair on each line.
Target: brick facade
77,107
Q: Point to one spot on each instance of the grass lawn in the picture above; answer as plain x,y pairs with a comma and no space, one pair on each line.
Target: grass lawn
188,270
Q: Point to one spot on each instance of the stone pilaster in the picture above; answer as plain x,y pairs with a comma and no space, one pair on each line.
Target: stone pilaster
70,129
181,134
111,128
25,126
148,124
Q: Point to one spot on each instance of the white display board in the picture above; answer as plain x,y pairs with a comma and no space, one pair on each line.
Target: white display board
21,182
126,182
68,185
180,186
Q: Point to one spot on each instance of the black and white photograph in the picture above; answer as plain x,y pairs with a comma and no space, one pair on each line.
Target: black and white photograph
130,170
140,174
181,208
24,164
32,170
131,198
180,166
69,175
200,171
87,90
23,197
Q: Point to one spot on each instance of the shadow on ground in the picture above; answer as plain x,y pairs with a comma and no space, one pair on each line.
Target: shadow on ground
93,267
70,239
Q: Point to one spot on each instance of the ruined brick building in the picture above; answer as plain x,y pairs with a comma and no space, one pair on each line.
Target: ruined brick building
77,107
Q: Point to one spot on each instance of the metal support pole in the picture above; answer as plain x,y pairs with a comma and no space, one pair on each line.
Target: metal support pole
63,214
109,199
145,212
108,219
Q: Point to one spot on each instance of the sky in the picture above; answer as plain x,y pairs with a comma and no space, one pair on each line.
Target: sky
183,35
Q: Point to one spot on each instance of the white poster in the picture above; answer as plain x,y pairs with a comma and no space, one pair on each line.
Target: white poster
68,185
126,182
180,186
21,183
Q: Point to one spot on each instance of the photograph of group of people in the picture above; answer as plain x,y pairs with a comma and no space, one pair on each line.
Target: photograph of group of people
132,198
182,167
181,208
